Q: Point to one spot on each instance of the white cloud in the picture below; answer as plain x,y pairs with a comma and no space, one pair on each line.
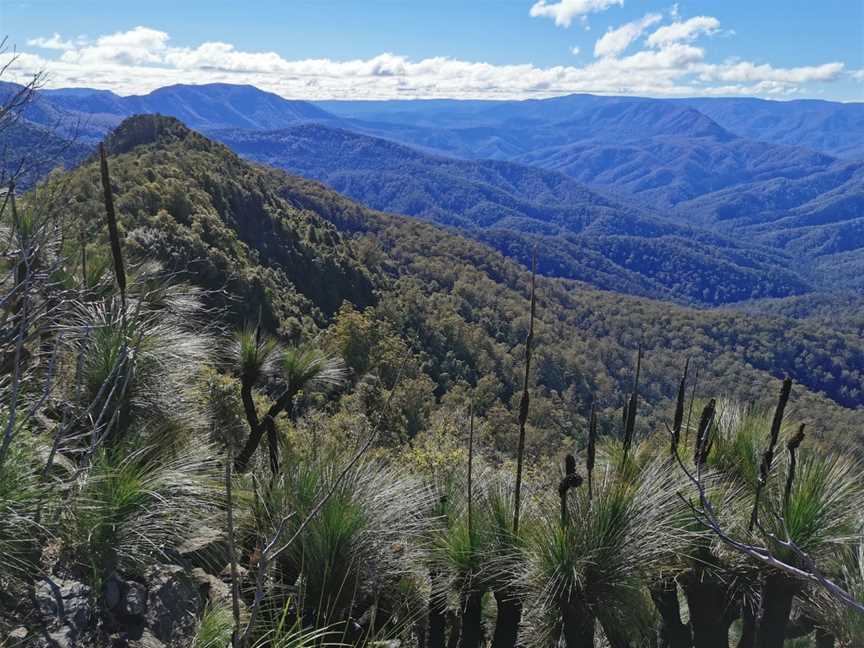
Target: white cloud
564,11
52,42
615,41
142,59
858,74
749,72
684,31
575,50
138,45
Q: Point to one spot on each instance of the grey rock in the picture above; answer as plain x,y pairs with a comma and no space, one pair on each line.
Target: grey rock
174,604
136,599
18,633
212,589
112,592
64,603
147,640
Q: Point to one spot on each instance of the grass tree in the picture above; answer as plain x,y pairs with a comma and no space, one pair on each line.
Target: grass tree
594,568
349,561
255,357
136,501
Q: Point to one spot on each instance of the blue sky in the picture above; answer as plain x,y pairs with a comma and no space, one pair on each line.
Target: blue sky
466,48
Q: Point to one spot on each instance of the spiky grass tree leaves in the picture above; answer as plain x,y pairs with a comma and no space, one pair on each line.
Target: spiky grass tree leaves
821,515
355,552
137,362
136,502
593,568
21,492
844,625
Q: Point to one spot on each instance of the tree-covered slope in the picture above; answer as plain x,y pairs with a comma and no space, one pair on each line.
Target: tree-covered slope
828,126
297,249
585,235
204,213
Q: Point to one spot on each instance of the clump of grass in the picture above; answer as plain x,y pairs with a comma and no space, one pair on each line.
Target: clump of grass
598,563
359,545
21,493
132,504
215,628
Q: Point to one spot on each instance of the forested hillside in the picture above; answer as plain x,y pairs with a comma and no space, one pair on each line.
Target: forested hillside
297,250
648,197
607,242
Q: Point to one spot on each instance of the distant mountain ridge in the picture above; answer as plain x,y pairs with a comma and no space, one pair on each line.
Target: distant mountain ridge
214,105
675,199
584,235
261,238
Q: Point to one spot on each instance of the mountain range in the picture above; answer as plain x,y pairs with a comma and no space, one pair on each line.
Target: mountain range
700,201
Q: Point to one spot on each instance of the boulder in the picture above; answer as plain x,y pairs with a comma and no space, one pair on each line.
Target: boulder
213,590
66,610
174,604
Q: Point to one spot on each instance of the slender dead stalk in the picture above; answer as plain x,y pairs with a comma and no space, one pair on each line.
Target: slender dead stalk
768,455
690,408
266,557
703,434
678,421
630,408
591,451
523,403
471,471
571,480
113,234
792,446
232,549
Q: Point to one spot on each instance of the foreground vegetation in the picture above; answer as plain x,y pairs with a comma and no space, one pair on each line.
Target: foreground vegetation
383,444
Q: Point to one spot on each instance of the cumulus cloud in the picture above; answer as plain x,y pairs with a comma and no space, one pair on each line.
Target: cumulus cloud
615,41
684,31
575,50
564,11
143,59
858,74
52,42
747,72
136,46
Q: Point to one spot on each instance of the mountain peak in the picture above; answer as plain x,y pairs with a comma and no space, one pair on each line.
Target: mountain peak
141,130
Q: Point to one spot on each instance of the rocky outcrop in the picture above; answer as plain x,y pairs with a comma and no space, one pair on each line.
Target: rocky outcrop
66,610
174,604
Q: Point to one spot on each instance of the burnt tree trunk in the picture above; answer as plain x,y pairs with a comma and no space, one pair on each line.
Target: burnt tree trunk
708,602
671,632
614,634
508,619
578,624
437,613
777,596
748,627
472,620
